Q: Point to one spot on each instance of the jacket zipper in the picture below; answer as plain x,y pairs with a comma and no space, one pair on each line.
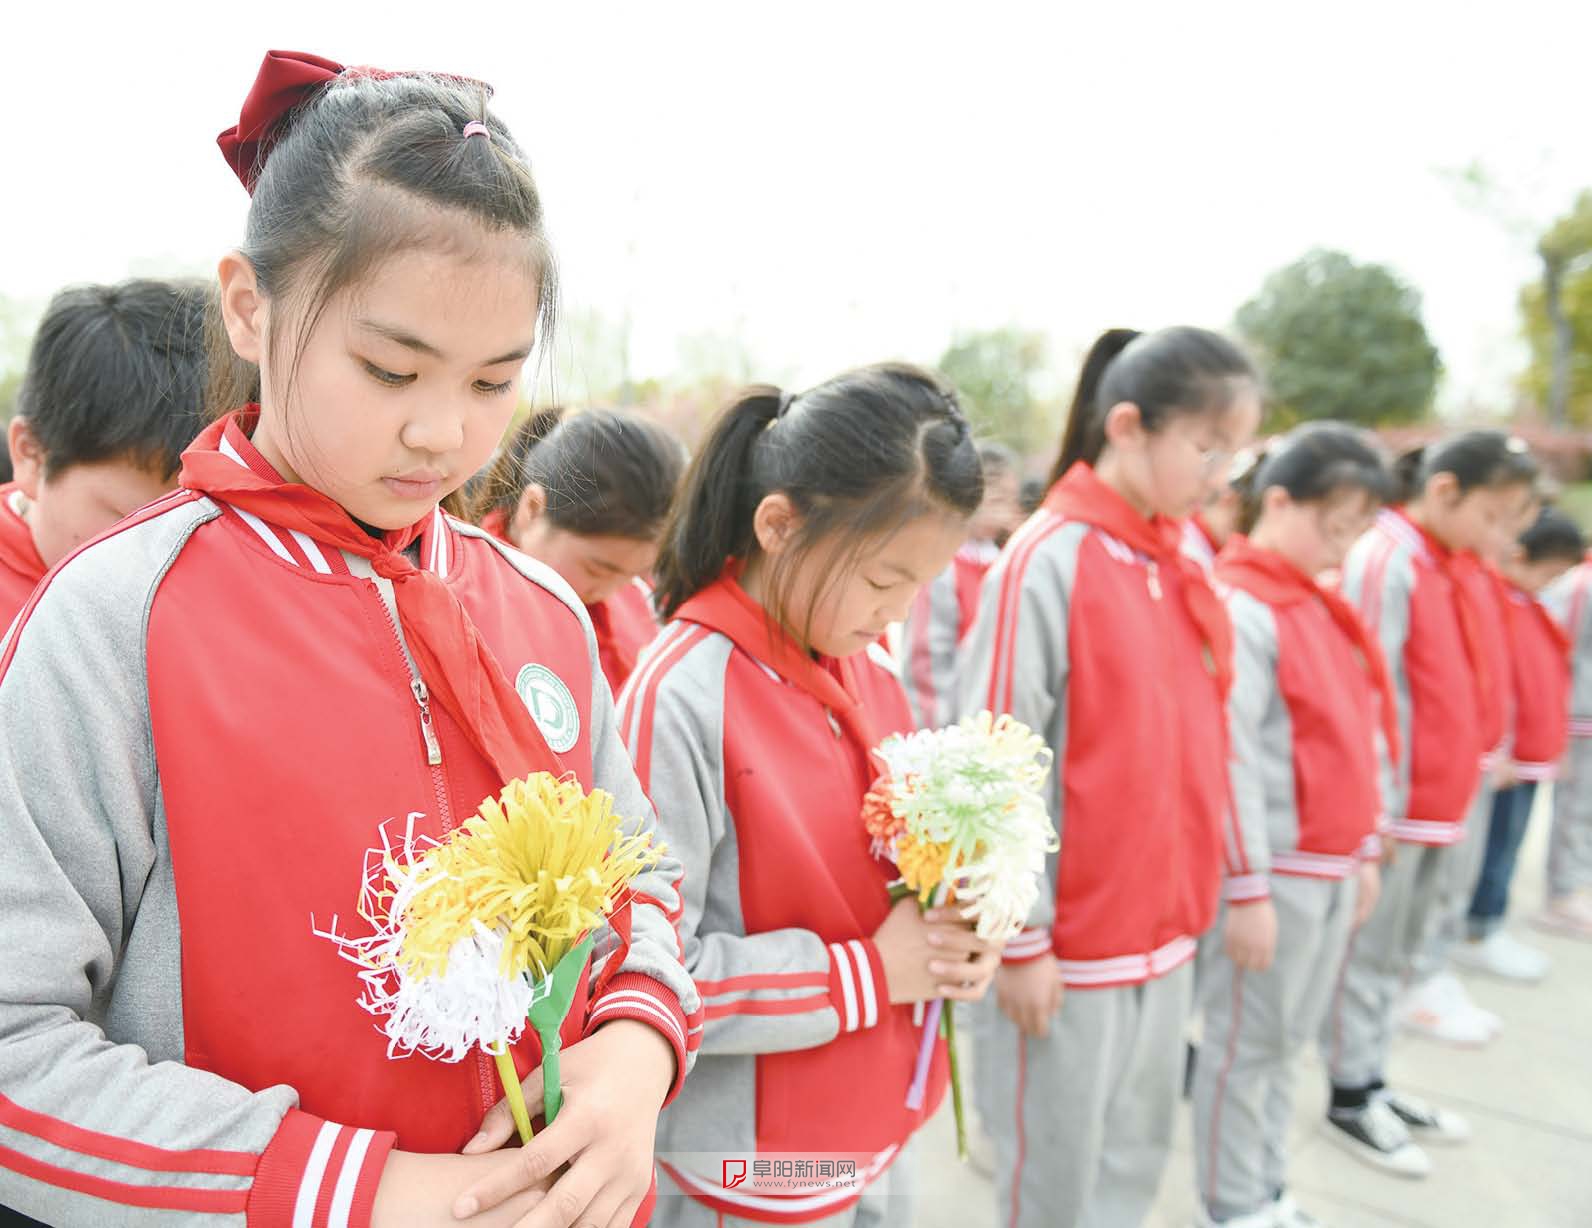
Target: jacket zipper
1153,580
485,1069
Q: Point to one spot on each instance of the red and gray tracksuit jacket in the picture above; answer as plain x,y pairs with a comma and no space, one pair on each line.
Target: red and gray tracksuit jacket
1540,649
1569,600
624,624
1488,595
1404,583
21,568
941,616
1088,642
1303,724
760,794
208,720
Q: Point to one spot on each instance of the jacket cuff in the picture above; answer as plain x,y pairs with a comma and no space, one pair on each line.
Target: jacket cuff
332,1169
1246,888
857,988
632,995
1030,944
1370,848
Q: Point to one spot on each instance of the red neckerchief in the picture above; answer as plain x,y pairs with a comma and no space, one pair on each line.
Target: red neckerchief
17,547
724,606
1265,574
454,660
1081,495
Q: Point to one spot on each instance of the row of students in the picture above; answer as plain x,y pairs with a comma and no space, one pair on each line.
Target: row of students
394,277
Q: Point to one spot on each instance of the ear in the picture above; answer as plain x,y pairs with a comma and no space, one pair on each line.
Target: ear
1124,426
1443,488
527,511
27,457
244,308
775,523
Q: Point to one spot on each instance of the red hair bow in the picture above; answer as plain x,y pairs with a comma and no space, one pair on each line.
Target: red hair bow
286,79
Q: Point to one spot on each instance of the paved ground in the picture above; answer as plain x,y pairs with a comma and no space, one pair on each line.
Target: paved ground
1528,1097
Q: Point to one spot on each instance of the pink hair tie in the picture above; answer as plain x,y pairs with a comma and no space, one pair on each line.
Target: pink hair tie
476,128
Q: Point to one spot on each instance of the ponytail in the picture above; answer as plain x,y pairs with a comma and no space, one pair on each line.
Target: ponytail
1174,371
1085,435
858,456
1482,459
712,519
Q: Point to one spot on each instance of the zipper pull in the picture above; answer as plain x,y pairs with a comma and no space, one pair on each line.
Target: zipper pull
1153,580
423,699
834,725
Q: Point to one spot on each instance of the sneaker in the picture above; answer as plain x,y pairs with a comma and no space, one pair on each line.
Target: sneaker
1500,955
1376,1135
1567,915
1425,1121
1289,1214
1440,1010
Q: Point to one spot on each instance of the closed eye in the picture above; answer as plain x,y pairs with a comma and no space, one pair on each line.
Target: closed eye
488,389
390,379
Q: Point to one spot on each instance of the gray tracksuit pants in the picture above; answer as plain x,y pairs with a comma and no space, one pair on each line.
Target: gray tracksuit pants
1358,1028
1570,844
1082,1117
1255,1025
1456,884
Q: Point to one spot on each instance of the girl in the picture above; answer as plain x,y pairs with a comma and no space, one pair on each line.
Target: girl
1097,632
942,614
1568,909
1309,692
1438,1005
230,694
587,495
805,527
1541,697
1407,580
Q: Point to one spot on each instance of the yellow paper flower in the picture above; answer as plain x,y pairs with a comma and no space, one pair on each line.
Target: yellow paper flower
543,863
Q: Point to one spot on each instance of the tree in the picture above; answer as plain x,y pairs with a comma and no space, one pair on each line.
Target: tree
1341,340
1000,375
1557,315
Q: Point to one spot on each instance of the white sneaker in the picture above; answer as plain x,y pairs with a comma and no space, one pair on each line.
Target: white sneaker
1568,915
1434,1010
1426,1121
1504,956
1376,1135
1290,1214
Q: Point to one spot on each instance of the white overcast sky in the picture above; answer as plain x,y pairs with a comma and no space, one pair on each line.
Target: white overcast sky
842,182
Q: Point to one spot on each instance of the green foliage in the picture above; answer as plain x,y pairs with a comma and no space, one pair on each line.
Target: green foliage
1000,375
1566,252
1338,339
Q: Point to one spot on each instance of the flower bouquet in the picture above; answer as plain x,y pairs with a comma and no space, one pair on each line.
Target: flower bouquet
960,813
476,936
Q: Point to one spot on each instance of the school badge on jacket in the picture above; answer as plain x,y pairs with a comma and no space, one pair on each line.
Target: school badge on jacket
550,704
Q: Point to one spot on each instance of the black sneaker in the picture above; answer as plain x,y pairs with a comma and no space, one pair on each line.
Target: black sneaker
1426,1122
1378,1136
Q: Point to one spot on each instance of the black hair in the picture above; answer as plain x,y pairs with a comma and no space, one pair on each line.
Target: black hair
860,454
996,460
1482,459
1314,462
1553,536
366,167
117,372
606,473
1031,495
1181,370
